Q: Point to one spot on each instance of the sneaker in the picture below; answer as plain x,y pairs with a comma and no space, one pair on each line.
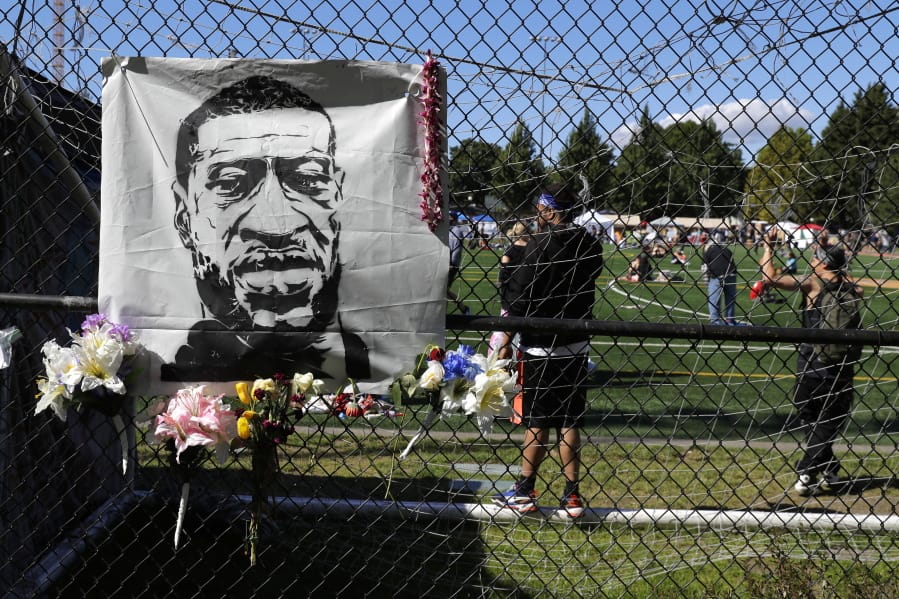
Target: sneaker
829,481
806,485
736,323
571,507
513,500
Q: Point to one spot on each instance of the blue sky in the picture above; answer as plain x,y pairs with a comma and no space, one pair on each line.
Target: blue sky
748,65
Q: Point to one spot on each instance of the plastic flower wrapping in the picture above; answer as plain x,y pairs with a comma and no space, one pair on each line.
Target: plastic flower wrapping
90,371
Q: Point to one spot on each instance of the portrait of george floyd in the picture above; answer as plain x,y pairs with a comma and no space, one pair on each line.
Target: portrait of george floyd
262,216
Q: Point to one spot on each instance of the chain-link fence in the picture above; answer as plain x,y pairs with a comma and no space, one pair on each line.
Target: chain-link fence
763,131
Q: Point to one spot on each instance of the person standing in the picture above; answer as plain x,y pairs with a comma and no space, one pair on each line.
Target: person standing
556,279
721,272
501,341
458,233
823,393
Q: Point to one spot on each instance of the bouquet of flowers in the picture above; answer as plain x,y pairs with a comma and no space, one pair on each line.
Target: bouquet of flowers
458,380
194,420
270,408
90,372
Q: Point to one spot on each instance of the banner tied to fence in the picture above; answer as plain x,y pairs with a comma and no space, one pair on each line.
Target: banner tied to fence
261,216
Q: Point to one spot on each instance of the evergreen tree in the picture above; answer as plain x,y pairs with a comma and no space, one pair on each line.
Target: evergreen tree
640,184
471,169
705,174
585,155
853,161
520,175
777,186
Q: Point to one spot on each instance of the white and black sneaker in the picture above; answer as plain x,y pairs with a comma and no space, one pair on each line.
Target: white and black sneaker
806,485
829,482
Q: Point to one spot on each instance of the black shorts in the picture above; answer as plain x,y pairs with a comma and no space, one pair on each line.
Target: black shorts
554,396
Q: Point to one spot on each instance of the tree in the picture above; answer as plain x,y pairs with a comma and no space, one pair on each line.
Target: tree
471,169
853,159
585,155
519,175
685,169
777,186
705,174
640,185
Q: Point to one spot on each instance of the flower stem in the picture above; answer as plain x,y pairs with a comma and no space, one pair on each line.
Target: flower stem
424,428
123,441
182,509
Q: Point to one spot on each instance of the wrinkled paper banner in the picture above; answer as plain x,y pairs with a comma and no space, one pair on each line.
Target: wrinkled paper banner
391,293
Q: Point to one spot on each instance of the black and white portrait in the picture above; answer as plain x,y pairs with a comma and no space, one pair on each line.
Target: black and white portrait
293,242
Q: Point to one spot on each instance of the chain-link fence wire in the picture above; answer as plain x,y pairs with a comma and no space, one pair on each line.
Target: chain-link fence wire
681,128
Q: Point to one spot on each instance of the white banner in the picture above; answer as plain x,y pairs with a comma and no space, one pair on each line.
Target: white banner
262,216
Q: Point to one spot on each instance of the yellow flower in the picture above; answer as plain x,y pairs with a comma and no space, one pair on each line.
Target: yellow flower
243,428
267,385
249,414
243,393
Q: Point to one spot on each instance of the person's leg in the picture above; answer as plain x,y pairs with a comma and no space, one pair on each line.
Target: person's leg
835,404
452,295
521,496
570,453
806,401
714,290
533,452
730,298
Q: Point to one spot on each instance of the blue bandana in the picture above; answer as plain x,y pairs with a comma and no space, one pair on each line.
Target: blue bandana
549,201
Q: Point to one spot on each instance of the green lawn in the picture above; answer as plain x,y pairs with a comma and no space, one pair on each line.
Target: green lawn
671,424
707,389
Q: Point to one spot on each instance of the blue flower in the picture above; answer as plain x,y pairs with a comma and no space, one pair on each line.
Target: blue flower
458,364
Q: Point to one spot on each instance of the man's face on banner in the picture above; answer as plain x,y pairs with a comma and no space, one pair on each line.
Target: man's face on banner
261,201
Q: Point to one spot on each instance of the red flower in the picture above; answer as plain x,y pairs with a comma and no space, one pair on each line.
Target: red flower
437,354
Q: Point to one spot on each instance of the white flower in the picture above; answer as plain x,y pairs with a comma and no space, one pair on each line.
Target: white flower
491,363
99,361
432,377
53,396
453,394
61,366
302,383
487,396
267,385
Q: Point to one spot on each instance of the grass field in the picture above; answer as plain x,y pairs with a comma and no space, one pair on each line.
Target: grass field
671,424
705,389
359,556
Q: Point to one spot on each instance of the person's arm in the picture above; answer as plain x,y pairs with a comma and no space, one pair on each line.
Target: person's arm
771,277
502,277
521,281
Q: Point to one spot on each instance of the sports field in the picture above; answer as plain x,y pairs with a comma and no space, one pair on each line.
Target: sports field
706,389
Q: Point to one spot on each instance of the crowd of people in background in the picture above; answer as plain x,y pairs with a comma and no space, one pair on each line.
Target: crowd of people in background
549,271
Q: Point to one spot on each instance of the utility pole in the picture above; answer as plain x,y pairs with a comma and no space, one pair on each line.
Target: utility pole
59,41
544,40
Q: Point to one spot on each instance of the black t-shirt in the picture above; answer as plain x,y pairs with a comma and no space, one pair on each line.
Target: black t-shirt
515,253
556,279
719,261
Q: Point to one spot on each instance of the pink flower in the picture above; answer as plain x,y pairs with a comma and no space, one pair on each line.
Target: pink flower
196,419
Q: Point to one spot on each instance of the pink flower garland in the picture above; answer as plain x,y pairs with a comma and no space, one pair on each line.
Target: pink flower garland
429,119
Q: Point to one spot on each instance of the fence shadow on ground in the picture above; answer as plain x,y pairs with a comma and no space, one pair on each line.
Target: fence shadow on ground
298,556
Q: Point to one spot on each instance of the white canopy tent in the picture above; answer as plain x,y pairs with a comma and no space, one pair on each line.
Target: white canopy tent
601,226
